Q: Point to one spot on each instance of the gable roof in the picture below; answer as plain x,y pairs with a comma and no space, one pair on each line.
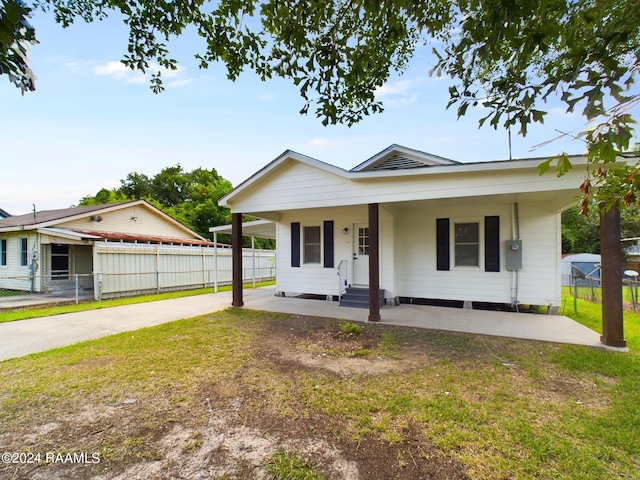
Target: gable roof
392,167
52,218
397,157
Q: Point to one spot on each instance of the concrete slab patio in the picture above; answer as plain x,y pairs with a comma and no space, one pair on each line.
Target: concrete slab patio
39,334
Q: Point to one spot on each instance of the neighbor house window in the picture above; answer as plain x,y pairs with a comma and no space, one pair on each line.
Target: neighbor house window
467,244
312,244
3,252
24,251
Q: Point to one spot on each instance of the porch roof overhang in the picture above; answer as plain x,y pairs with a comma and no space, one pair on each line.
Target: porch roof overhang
65,234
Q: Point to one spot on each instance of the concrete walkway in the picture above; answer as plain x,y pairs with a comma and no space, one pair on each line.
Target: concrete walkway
39,334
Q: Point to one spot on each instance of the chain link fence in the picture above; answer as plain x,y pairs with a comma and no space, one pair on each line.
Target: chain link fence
589,287
37,290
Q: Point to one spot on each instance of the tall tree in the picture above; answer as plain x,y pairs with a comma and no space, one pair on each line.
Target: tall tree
190,197
16,36
136,185
581,234
504,55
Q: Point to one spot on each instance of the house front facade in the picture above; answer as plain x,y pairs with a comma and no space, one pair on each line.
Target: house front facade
414,227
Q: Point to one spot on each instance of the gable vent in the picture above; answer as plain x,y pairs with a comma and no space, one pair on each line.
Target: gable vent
398,162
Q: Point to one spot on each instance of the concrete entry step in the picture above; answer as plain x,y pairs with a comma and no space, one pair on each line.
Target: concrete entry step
359,298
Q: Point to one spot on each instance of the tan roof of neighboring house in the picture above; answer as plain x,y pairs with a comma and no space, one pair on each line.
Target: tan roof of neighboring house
45,216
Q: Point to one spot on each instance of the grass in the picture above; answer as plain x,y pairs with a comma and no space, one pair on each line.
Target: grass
45,311
286,466
595,295
350,328
504,408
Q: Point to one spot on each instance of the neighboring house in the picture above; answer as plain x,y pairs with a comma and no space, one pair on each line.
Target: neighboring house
43,249
632,254
581,269
417,227
3,214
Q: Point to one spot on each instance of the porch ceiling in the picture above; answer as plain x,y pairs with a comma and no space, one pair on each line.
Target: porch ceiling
559,200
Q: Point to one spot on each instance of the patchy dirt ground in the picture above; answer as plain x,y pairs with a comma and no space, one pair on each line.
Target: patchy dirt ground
227,434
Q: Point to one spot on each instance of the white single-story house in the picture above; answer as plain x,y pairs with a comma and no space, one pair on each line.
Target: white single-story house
131,245
412,227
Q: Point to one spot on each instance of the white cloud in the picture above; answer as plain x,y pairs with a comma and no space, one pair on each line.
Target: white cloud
400,93
120,72
392,89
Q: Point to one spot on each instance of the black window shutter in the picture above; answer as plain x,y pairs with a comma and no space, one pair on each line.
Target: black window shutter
492,244
442,244
295,244
328,244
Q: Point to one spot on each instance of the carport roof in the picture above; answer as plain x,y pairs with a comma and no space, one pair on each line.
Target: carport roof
125,237
255,228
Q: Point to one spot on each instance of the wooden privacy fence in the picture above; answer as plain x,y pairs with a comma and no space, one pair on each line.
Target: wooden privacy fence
124,269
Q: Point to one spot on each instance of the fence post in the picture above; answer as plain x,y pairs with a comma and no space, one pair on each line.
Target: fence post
253,260
215,262
77,293
204,267
158,268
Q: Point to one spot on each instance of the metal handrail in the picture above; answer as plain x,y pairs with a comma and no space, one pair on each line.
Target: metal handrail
342,283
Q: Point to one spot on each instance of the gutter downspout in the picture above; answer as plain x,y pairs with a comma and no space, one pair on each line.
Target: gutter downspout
515,235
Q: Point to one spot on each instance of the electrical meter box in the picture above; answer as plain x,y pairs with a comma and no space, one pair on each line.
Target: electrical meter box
514,255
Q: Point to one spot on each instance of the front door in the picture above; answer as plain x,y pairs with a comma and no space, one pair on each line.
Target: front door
361,254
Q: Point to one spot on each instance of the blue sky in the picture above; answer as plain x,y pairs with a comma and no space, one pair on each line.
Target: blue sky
91,121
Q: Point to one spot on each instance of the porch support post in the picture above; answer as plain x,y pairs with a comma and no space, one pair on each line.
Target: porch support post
611,265
236,252
374,264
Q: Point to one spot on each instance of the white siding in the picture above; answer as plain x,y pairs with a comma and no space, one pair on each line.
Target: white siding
408,253
133,220
315,279
538,279
9,273
299,186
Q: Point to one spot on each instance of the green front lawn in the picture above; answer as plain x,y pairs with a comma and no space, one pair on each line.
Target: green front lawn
503,408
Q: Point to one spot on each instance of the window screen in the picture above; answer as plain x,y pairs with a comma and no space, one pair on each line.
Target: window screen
312,244
467,244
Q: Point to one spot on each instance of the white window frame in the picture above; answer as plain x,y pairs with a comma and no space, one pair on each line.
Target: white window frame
303,244
460,220
23,255
4,256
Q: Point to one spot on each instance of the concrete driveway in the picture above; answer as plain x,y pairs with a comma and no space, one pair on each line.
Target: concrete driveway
39,334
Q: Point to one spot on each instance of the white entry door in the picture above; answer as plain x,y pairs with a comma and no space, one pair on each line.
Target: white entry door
361,254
